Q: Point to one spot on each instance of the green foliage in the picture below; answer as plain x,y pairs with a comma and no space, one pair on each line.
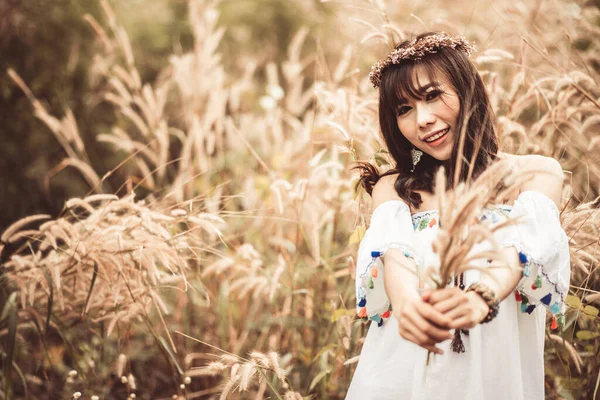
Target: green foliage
52,48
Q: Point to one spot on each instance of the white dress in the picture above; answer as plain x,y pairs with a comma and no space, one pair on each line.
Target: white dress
504,359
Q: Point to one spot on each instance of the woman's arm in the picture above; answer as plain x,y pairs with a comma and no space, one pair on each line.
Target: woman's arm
467,309
401,279
418,321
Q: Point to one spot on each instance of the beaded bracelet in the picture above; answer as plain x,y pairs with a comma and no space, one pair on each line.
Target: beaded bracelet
490,299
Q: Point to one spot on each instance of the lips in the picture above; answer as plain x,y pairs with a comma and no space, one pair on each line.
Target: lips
435,135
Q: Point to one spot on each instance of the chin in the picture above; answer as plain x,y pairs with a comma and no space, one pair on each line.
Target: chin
446,157
441,155
443,152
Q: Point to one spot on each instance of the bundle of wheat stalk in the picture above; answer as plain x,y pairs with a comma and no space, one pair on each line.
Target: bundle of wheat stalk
105,258
460,229
259,368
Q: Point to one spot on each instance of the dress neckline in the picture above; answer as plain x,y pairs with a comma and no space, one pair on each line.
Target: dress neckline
429,218
504,207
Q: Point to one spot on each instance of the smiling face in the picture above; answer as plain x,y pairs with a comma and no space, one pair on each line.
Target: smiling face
428,117
438,94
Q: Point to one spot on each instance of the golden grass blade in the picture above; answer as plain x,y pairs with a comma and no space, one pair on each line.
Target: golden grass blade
570,350
10,312
16,226
89,295
85,169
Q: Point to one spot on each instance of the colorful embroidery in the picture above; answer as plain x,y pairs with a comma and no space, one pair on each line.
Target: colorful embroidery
423,219
368,283
558,319
428,219
370,280
538,283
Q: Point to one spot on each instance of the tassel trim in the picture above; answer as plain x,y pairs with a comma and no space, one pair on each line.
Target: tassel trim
527,263
558,319
381,314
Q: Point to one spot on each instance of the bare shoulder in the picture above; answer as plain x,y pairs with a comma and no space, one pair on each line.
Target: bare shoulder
543,164
547,175
384,190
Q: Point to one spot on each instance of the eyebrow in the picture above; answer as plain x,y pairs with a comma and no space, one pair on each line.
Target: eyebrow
422,90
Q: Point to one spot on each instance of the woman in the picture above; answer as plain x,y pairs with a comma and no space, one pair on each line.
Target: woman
430,92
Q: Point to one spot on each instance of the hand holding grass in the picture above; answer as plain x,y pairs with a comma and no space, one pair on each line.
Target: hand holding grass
421,323
464,309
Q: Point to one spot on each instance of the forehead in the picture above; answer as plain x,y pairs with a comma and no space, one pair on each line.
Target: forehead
421,77
416,80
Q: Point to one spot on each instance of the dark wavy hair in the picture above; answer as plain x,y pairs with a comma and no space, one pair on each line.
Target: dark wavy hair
475,121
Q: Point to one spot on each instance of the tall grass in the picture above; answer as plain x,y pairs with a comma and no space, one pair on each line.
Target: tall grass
233,275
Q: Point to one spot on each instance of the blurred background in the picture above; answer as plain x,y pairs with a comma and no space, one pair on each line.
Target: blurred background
237,123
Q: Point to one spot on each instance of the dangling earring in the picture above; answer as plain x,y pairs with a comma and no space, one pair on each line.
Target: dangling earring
416,157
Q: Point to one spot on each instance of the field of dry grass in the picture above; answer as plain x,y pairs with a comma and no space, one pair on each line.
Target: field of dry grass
227,272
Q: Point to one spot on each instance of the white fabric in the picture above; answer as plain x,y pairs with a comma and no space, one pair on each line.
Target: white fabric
399,234
503,358
538,235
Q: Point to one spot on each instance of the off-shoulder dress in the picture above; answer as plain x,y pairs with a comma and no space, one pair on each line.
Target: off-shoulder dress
504,359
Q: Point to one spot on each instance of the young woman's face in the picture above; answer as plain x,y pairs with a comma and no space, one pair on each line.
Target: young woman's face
429,122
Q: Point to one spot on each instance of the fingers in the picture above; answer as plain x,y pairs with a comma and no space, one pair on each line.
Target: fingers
433,315
456,313
422,320
470,313
434,349
417,328
454,304
464,322
426,296
412,333
408,332
444,294
465,318
430,347
422,324
450,303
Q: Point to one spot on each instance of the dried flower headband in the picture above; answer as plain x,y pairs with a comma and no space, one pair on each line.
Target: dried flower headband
418,49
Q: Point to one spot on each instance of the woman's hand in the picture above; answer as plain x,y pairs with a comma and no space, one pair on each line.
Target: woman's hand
420,323
464,309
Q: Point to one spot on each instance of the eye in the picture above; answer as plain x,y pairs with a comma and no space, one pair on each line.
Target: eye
401,110
433,94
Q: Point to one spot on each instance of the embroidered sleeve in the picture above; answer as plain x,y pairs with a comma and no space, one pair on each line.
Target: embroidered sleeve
543,252
390,227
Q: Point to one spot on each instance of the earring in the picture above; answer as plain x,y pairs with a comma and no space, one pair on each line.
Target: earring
416,157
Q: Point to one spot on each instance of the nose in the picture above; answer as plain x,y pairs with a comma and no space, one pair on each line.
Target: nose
424,115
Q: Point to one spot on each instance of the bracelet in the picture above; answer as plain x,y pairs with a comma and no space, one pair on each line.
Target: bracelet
490,299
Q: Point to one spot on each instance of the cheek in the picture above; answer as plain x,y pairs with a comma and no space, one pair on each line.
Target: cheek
406,128
455,110
452,108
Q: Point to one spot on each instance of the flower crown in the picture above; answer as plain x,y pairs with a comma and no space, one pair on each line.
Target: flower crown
417,49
